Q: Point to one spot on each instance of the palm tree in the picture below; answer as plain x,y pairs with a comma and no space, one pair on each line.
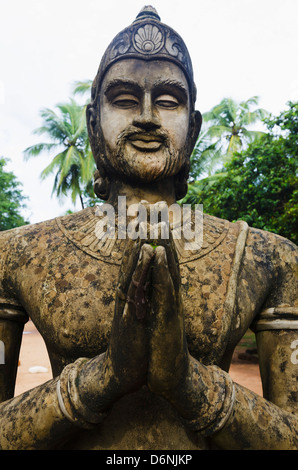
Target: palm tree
224,131
82,87
228,124
205,155
72,161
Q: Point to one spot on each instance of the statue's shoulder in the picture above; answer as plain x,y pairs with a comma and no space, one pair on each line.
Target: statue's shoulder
240,239
269,243
280,251
24,232
277,256
16,247
216,225
211,233
77,221
37,236
85,229
28,233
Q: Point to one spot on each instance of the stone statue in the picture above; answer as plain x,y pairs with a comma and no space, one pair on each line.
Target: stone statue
140,333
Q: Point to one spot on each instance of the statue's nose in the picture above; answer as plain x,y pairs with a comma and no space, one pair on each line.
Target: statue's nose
148,118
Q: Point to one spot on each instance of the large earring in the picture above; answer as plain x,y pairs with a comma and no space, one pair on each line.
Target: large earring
195,127
90,119
101,185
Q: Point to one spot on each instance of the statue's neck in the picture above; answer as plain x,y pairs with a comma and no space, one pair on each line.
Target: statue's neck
159,191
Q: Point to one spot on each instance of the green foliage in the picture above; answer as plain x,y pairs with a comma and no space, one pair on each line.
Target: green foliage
82,88
11,200
229,121
205,156
260,184
72,163
225,130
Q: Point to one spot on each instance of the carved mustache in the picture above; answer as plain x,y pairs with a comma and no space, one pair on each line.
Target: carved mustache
134,133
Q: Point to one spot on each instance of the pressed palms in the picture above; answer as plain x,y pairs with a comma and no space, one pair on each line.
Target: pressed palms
72,162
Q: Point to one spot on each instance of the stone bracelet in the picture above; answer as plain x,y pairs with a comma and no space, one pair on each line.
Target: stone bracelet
69,401
216,422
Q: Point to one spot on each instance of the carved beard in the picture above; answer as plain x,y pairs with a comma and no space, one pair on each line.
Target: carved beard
135,165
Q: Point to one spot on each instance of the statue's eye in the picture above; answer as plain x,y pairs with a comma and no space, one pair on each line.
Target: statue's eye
167,101
125,101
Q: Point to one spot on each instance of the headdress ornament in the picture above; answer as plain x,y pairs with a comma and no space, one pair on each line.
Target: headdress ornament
147,38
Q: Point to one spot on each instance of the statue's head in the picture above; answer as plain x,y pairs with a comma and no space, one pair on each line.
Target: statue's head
141,120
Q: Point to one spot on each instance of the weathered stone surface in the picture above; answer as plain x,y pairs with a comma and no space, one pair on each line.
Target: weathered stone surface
140,334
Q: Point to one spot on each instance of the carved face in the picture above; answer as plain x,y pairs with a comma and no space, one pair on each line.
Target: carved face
144,118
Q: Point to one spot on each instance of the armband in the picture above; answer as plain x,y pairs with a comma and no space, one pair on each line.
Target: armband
276,318
12,310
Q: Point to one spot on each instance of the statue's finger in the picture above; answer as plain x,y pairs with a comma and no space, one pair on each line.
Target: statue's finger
128,265
163,237
163,292
137,295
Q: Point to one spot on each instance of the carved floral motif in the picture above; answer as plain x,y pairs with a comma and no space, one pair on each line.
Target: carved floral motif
121,46
148,39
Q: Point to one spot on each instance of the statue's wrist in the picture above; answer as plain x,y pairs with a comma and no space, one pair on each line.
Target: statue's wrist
220,396
206,401
72,400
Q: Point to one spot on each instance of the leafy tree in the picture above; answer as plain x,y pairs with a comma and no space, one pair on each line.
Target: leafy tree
229,123
72,162
225,130
11,200
260,184
205,155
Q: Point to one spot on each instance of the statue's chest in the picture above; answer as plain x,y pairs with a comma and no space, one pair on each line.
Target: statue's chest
75,307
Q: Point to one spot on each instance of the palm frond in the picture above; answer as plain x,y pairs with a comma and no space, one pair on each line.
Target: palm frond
217,130
56,164
71,115
88,167
82,87
227,128
73,165
54,126
70,158
37,149
253,100
251,117
81,124
250,136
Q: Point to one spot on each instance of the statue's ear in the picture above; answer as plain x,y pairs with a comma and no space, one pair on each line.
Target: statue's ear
91,119
195,127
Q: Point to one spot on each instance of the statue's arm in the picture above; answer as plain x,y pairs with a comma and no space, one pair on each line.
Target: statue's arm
43,417
271,422
230,415
12,321
48,415
34,419
26,421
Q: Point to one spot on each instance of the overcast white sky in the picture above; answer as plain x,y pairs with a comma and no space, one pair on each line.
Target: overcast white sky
239,48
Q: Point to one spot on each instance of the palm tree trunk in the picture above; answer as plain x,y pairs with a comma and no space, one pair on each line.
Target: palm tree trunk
82,202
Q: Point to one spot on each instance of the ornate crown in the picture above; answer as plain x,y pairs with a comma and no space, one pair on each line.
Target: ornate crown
147,38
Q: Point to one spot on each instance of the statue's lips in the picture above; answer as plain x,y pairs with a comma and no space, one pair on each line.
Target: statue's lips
145,141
